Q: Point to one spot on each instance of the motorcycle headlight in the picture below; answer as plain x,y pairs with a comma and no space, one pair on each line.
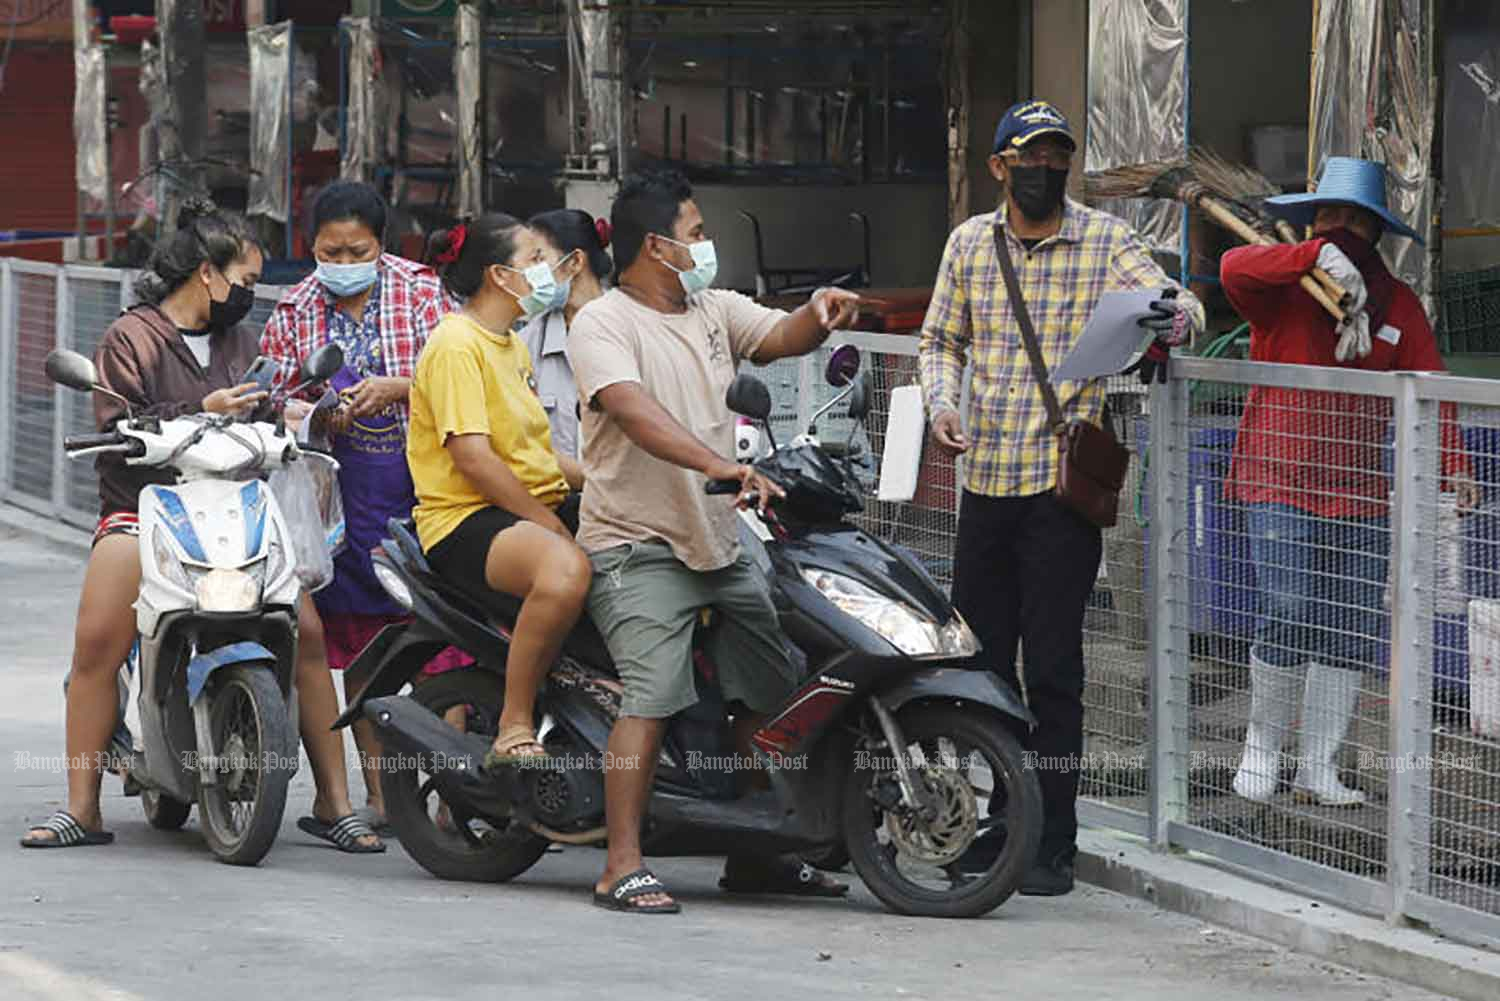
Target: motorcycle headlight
393,584
222,590
169,564
908,630
275,562
269,568
957,639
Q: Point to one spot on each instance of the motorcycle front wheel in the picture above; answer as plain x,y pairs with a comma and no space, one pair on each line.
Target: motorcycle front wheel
255,751
441,837
966,760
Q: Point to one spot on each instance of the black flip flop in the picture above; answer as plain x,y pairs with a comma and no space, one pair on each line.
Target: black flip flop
382,827
69,833
786,874
343,834
632,885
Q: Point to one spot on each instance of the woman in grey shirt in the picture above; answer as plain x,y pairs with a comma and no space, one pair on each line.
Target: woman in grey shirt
575,245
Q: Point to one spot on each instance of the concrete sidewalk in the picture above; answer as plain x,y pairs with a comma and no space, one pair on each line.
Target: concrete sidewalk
1193,885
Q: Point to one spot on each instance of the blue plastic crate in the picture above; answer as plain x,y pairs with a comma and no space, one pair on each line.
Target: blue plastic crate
1221,575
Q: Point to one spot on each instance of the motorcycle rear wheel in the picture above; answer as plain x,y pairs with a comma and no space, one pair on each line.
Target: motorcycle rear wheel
472,850
252,732
962,749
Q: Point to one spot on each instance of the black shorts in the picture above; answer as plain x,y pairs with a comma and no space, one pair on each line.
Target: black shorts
460,558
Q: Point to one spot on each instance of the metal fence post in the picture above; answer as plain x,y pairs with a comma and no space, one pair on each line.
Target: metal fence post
9,312
64,322
1166,609
1408,817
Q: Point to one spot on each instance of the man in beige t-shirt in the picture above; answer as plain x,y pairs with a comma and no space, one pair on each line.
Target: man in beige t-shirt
653,359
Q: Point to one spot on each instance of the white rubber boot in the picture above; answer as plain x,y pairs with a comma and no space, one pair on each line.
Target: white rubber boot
1273,691
1327,706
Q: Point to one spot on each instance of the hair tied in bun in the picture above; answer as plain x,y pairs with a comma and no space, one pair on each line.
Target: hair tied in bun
456,237
601,226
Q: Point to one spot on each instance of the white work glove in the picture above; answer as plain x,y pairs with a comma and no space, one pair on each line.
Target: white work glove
1354,338
1342,270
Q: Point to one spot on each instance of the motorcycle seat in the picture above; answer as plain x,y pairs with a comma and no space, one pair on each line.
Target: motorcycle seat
584,642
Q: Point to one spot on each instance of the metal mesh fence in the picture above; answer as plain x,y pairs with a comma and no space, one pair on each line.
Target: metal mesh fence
1287,549
32,403
1115,735
1457,821
94,303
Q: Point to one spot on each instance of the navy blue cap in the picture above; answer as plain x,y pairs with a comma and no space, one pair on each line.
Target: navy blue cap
1027,120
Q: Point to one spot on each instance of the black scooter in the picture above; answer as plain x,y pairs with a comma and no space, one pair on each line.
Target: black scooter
892,749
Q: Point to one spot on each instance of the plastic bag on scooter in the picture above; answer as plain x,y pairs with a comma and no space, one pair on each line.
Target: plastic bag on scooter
307,491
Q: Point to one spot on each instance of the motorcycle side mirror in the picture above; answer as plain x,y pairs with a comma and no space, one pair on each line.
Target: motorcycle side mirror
843,365
749,397
321,364
860,399
71,369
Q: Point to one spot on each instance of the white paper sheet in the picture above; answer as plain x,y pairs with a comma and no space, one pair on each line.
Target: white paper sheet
1112,340
329,401
901,461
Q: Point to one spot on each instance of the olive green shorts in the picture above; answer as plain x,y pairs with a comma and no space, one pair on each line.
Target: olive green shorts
646,602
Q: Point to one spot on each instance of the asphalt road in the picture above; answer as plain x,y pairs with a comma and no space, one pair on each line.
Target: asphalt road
155,917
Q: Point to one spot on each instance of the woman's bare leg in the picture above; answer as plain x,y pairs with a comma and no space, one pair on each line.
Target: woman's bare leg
102,638
317,708
550,575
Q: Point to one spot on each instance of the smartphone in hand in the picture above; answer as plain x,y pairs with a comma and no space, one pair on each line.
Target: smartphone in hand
262,372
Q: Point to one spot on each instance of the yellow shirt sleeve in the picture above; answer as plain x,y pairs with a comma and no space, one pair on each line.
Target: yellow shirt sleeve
453,384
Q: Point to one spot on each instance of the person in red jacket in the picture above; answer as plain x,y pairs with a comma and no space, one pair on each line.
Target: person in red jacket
1308,466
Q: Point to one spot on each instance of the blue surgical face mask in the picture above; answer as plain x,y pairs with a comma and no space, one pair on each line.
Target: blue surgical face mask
543,294
343,280
564,289
705,266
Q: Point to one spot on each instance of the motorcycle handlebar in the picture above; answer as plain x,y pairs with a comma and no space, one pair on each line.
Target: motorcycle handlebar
73,442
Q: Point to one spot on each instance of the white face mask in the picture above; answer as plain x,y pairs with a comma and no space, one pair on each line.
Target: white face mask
705,266
543,292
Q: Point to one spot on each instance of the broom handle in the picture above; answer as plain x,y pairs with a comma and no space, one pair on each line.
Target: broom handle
1334,289
1221,215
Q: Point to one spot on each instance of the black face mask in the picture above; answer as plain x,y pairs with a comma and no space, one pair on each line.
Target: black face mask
234,307
1038,191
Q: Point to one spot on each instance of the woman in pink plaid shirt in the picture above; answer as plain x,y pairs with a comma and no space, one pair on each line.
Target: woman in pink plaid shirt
379,309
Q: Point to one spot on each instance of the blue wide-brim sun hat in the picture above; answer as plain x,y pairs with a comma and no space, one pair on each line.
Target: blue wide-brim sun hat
1345,181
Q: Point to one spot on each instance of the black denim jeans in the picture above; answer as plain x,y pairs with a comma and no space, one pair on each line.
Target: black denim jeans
1022,574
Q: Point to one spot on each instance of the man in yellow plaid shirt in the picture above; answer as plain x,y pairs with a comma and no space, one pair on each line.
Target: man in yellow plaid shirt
1024,564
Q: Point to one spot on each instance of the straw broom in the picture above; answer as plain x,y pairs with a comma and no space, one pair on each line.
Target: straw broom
1175,180
1246,187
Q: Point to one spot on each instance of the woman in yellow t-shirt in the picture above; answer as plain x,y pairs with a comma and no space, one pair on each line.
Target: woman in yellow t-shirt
496,507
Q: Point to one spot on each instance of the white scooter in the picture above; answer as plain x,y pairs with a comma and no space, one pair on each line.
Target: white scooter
211,710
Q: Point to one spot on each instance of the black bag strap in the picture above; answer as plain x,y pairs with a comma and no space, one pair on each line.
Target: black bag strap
1028,332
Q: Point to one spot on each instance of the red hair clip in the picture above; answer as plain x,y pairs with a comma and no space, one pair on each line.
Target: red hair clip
602,227
456,237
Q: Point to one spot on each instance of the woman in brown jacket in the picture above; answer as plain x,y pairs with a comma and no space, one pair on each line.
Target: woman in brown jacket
181,351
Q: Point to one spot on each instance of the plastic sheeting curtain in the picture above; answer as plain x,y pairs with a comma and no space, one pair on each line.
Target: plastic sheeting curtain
601,88
1471,49
1373,98
363,124
270,120
90,130
468,58
1137,104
